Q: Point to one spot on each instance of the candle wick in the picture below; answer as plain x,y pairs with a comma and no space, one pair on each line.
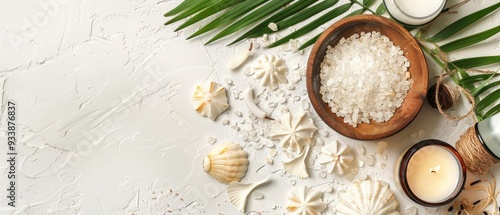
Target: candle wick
435,169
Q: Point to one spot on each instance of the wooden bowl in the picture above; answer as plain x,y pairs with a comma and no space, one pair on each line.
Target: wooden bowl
418,70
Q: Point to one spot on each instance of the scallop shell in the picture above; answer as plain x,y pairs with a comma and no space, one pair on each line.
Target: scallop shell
270,70
293,131
210,99
368,197
297,165
336,157
305,201
226,163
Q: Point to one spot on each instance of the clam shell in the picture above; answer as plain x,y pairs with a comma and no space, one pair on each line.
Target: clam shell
368,197
226,163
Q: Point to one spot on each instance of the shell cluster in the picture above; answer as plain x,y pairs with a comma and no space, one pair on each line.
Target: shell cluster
226,163
210,99
368,197
336,157
270,70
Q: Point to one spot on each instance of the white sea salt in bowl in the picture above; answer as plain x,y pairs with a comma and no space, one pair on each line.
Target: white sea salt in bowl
403,113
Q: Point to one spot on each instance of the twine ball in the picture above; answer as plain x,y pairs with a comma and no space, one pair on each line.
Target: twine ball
476,158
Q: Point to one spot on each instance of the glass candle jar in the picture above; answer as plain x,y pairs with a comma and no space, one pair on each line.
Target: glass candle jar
414,12
431,173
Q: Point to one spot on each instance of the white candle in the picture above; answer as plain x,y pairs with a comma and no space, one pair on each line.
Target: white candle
414,12
433,174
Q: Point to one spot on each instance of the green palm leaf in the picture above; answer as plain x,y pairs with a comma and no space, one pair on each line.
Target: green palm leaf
475,91
181,7
252,17
192,10
462,23
468,63
475,78
487,87
472,39
229,16
493,110
262,28
487,100
330,15
381,9
209,11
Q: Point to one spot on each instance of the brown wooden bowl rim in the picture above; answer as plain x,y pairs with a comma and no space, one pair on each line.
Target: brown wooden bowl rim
417,90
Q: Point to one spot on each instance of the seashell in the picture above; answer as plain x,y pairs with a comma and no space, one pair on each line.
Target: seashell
293,131
304,201
252,107
297,165
336,157
238,192
239,59
210,99
368,197
270,70
226,163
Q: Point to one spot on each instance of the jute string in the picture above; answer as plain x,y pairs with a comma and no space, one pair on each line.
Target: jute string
475,156
466,207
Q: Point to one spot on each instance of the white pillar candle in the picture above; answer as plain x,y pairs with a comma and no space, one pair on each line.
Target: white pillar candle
414,12
431,173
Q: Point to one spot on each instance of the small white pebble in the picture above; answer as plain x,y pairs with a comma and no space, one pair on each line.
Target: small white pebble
324,133
273,26
293,182
211,140
322,174
349,177
265,37
272,104
412,210
360,149
305,104
370,160
414,135
329,189
228,81
248,71
269,144
238,113
383,157
257,195
381,146
430,210
361,163
256,145
408,75
382,166
295,66
273,206
296,98
303,72
273,152
269,161
385,184
320,141
362,176
225,121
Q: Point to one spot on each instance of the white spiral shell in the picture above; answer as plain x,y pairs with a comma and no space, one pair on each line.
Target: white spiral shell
368,197
226,163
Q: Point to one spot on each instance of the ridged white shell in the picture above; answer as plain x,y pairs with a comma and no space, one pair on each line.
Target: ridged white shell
210,99
304,201
293,131
368,197
336,157
226,163
238,192
297,166
270,70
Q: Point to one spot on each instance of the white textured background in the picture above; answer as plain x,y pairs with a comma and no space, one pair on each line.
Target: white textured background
106,125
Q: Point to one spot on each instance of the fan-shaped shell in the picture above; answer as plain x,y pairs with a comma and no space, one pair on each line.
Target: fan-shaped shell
293,131
304,201
210,99
226,163
368,197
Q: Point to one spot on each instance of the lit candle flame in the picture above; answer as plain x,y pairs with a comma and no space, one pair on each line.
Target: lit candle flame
435,169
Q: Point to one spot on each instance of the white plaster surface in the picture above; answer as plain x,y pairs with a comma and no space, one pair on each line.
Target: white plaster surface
105,121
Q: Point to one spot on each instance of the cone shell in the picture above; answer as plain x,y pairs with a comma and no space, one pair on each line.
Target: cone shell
226,163
368,197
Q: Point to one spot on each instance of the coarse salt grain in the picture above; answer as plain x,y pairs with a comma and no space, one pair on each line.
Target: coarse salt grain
364,78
